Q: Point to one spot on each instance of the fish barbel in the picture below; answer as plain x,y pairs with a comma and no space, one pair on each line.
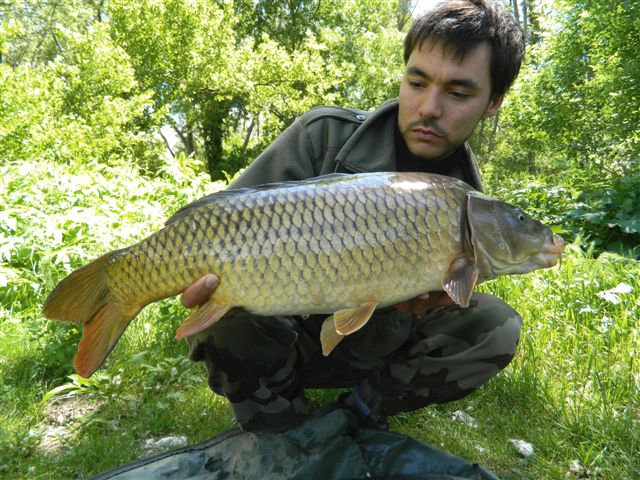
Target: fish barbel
340,244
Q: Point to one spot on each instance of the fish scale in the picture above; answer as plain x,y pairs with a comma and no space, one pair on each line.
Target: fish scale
339,244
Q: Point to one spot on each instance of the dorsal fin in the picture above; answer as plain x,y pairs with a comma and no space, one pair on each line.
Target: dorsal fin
224,195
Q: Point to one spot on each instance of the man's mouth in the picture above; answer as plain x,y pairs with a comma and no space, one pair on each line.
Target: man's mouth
426,131
426,134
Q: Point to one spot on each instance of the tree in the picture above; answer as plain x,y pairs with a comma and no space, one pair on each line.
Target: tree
576,101
35,25
235,74
83,106
226,75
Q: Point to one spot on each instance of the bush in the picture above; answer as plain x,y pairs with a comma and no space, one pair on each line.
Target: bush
601,213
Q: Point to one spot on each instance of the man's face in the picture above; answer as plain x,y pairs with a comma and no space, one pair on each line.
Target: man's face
442,99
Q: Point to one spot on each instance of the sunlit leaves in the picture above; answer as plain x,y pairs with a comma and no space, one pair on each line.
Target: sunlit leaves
577,102
81,108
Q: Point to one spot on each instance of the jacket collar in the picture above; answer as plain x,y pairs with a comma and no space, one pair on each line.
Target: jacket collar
377,152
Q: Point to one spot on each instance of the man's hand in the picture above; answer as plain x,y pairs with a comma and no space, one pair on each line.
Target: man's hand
199,291
425,302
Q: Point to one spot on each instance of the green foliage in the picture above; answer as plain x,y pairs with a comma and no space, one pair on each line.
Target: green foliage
80,108
571,122
232,83
603,214
580,322
79,385
56,218
609,214
577,102
29,28
226,77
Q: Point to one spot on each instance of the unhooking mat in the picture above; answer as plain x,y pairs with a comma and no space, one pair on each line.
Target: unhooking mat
330,447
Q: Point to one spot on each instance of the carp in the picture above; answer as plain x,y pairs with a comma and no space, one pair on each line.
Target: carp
340,244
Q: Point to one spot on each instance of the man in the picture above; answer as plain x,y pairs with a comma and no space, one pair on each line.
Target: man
460,58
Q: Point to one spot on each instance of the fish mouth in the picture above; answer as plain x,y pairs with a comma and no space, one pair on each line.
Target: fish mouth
552,252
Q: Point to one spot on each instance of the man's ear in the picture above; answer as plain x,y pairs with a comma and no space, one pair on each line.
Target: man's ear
494,105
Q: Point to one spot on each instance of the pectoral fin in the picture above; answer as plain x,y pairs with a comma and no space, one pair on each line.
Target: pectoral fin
460,280
205,316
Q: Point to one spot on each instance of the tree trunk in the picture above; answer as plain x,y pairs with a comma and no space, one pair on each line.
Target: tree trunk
516,12
494,131
186,136
531,161
167,144
403,14
247,137
480,136
213,116
525,14
99,9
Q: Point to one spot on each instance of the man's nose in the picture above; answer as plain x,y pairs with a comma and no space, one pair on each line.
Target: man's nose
430,105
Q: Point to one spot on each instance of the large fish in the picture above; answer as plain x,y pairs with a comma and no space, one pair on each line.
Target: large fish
339,244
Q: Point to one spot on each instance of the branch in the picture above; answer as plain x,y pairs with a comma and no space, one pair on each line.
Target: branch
516,12
248,136
166,142
185,141
55,39
43,33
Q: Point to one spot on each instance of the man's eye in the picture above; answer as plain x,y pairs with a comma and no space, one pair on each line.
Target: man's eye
459,95
415,84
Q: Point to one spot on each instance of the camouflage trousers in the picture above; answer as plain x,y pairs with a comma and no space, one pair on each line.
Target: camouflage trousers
398,361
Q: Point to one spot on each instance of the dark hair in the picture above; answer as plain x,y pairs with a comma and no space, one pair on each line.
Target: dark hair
463,24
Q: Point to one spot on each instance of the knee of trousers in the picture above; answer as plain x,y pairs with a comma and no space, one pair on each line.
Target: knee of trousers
501,325
245,354
487,337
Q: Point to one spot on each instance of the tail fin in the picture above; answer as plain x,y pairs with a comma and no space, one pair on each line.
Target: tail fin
84,297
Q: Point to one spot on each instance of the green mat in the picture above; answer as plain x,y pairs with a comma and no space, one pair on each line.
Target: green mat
333,446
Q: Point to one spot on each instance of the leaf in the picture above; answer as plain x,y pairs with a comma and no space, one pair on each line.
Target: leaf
631,225
595,218
627,205
67,387
558,229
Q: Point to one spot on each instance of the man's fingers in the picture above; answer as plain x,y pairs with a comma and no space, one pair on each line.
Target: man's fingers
445,300
404,307
199,291
422,305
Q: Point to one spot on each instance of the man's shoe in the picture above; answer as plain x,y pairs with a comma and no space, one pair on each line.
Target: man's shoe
366,417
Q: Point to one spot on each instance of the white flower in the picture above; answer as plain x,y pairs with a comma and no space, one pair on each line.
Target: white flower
611,295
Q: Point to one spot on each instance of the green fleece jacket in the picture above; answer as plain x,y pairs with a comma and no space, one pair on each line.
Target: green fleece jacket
329,139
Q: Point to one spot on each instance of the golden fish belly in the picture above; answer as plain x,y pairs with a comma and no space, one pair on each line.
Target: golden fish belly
307,250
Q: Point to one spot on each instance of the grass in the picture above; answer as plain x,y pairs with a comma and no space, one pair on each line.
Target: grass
572,390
